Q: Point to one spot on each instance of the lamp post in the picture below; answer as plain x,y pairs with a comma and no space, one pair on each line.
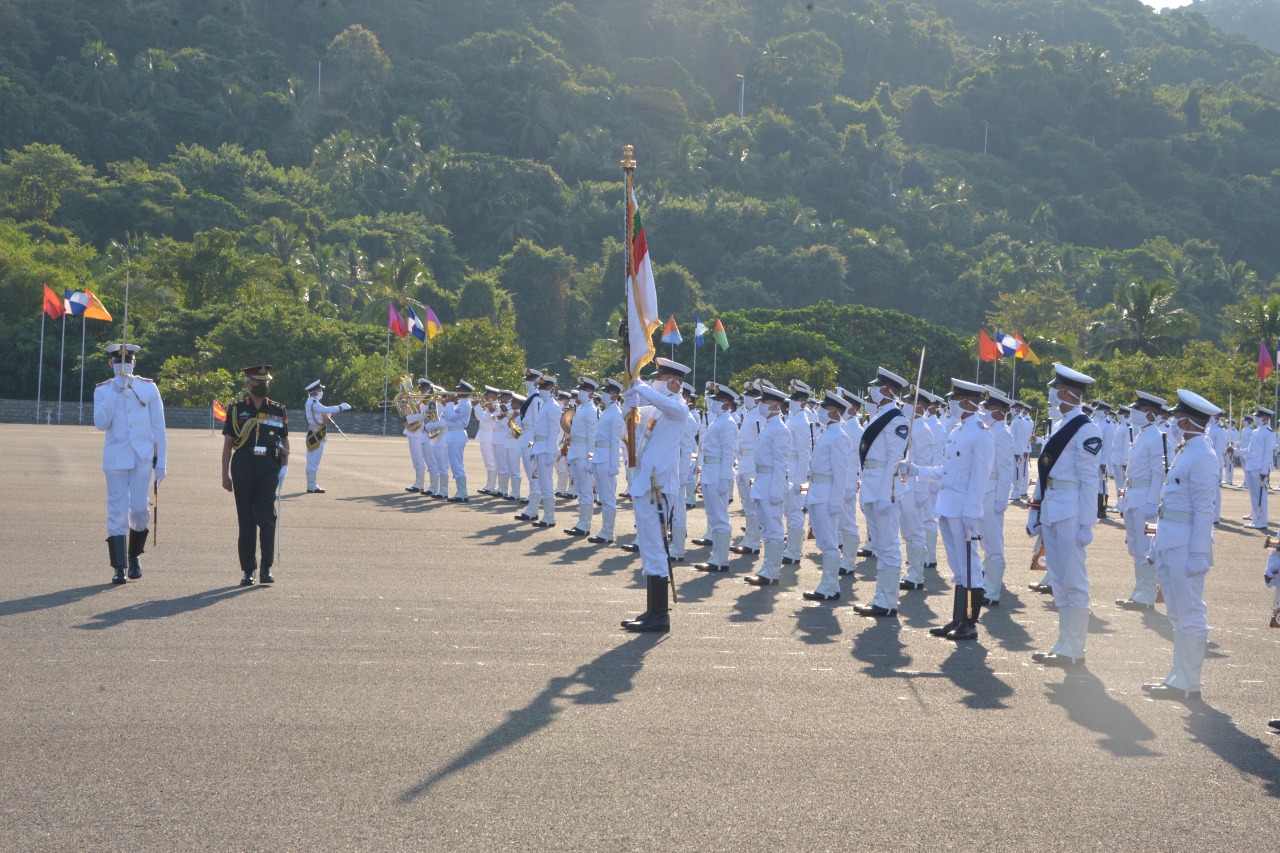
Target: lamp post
986,127
742,94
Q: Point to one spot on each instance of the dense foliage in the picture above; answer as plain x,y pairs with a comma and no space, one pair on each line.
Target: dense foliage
270,176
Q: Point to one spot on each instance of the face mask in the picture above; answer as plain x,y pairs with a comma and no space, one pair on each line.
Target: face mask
125,369
544,393
260,389
528,387
794,406
953,410
751,402
584,396
319,396
986,417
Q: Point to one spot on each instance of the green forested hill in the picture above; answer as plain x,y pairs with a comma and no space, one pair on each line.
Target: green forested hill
1093,175
1258,20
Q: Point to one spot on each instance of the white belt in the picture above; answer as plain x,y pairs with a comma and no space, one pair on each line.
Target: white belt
576,441
1063,485
604,443
710,460
746,451
1139,484
541,436
1177,515
873,463
456,428
820,478
764,469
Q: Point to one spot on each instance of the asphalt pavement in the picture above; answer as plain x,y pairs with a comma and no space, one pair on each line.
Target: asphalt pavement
430,676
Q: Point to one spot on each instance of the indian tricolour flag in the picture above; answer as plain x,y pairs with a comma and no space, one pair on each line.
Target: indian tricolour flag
642,296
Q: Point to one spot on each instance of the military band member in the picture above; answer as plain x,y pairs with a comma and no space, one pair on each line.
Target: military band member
485,429
801,429
506,453
129,410
771,485
582,439
883,445
1064,510
437,446
1023,429
690,481
564,482
752,422
1229,461
655,484
317,415
850,540
529,461
1219,441
914,498
546,429
1183,546
417,440
830,466
255,452
715,459
1148,458
1259,455
996,411
457,417
934,423
605,456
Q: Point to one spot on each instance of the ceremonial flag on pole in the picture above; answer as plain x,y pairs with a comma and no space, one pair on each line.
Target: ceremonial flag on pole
415,326
1025,351
52,304
699,329
84,303
718,333
434,326
988,350
395,323
642,297
1265,364
219,413
671,334
1008,344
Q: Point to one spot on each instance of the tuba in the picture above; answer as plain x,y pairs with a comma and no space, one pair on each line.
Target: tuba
432,415
514,428
406,402
566,426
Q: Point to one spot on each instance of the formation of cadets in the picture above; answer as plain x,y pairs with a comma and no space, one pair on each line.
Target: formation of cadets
916,466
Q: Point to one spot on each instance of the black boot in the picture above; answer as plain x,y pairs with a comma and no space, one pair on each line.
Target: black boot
1102,507
118,553
957,615
137,543
657,617
247,579
968,629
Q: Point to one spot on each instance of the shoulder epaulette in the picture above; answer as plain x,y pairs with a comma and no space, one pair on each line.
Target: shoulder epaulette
145,379
103,382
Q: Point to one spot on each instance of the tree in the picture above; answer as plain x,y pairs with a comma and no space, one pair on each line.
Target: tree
1143,320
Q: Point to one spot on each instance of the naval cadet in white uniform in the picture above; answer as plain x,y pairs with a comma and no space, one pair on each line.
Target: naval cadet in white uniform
317,415
605,460
719,446
546,428
1183,546
769,490
750,425
129,410
1144,476
655,485
1259,455
996,411
883,445
830,467
582,438
1064,510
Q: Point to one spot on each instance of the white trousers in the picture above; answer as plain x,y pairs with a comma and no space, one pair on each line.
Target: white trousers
1256,483
1066,570
882,529
649,536
606,487
1183,593
962,554
715,500
489,454
313,456
582,480
127,507
1138,542
456,449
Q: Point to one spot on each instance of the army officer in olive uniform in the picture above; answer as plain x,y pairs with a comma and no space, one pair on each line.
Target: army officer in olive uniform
255,449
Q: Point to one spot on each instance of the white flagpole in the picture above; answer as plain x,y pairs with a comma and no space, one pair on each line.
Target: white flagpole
80,412
386,381
715,358
40,373
62,361
695,358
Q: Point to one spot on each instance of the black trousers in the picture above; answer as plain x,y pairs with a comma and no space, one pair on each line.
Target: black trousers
254,480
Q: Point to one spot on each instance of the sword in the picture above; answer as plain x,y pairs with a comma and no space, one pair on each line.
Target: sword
284,470
911,422
155,509
339,429
968,574
665,513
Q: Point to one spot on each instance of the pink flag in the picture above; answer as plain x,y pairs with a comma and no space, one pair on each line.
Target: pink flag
396,323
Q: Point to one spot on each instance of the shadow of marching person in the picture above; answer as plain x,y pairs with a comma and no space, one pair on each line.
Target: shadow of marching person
1085,699
164,608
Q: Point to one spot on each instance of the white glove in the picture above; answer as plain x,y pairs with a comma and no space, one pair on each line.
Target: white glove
972,528
1084,536
344,407
633,399
1197,564
1150,512
1272,575
160,475
284,470
1033,523
908,469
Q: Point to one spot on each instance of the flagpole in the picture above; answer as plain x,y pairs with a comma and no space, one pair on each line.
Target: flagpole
628,171
40,373
695,354
715,358
386,380
80,412
1013,383
62,361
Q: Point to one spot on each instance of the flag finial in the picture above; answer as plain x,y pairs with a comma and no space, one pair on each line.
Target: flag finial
628,158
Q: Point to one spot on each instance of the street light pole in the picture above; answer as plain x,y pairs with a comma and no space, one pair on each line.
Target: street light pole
986,126
742,94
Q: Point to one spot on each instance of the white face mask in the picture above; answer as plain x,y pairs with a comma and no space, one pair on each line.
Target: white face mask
584,396
528,387
750,402
125,369
794,406
319,395
953,410
544,393
987,418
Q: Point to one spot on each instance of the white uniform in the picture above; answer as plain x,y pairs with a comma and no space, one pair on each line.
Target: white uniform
132,416
964,475
546,428
1258,458
1066,517
452,442
1183,553
488,454
1141,504
749,431
850,540
715,459
417,446
506,451
582,437
1004,469
880,500
605,454
529,460
915,501
686,460
656,481
831,466
769,491
317,415
1023,428
801,429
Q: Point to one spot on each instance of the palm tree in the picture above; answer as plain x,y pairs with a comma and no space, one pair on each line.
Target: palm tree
1143,320
1253,320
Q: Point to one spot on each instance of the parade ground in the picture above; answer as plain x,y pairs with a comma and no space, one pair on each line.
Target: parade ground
427,676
